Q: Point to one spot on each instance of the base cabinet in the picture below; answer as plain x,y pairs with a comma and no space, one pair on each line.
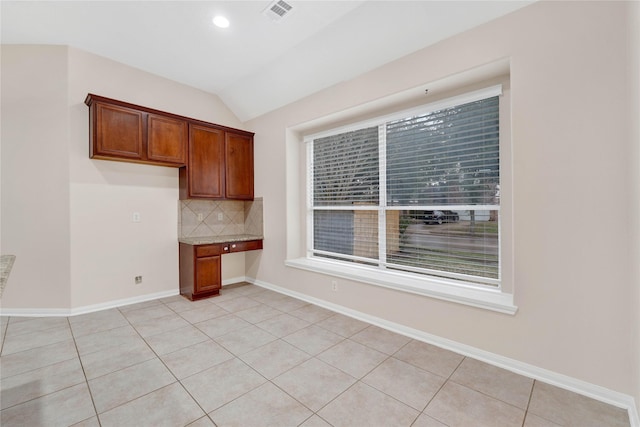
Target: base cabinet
207,275
201,266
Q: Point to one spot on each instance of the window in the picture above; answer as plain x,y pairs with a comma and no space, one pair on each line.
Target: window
416,193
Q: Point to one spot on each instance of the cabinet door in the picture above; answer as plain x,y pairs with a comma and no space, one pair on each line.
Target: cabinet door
206,162
167,140
239,166
208,274
118,132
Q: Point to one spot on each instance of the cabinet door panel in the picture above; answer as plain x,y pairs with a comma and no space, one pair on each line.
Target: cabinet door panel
118,132
206,152
239,166
208,274
167,140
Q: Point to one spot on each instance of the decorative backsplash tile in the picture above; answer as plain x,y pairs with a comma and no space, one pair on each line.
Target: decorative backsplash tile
202,218
253,222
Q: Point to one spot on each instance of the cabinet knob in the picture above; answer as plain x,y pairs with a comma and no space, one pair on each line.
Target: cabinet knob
226,248
233,246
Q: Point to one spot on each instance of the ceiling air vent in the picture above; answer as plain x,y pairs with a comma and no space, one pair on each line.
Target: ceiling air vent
278,10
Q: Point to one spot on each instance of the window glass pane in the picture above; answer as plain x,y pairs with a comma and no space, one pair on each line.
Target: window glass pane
448,157
333,231
445,242
365,235
352,233
345,168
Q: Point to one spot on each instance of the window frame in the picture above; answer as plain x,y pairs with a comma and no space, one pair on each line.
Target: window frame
488,297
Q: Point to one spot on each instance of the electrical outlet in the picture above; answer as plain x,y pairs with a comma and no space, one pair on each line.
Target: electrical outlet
334,285
136,217
220,216
138,280
200,217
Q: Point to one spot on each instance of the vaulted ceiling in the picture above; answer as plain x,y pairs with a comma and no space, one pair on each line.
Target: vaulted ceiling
258,63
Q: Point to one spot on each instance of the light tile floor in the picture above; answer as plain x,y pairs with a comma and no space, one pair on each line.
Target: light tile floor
253,357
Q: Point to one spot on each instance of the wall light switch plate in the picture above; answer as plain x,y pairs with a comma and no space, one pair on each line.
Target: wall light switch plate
220,216
136,217
200,217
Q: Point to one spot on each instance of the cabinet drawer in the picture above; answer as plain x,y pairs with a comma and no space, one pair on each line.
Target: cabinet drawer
211,250
245,246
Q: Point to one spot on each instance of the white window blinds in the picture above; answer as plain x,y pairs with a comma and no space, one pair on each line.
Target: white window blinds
345,168
448,157
416,193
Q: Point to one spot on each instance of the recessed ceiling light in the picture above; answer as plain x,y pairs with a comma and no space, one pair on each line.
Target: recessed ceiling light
221,21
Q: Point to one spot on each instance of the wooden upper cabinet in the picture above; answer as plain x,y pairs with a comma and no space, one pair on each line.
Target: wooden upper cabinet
130,133
220,164
216,162
118,132
167,139
239,166
205,173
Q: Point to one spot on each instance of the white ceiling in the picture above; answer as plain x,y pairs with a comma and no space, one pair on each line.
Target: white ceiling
256,65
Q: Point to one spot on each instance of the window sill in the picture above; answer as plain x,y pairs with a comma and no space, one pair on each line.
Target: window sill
488,299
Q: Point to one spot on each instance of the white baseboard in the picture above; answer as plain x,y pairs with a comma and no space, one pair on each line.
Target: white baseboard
35,312
584,388
65,312
234,280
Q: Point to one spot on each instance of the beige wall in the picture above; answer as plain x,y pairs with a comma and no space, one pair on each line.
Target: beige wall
575,278
634,162
67,217
35,175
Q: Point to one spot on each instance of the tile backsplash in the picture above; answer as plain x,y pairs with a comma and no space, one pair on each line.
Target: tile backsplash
203,218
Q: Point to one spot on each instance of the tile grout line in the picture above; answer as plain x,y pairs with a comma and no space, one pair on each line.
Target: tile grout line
357,380
270,381
526,411
84,373
43,367
235,356
421,411
163,364
447,379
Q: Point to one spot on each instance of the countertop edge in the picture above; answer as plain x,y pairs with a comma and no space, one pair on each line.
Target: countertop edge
208,240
